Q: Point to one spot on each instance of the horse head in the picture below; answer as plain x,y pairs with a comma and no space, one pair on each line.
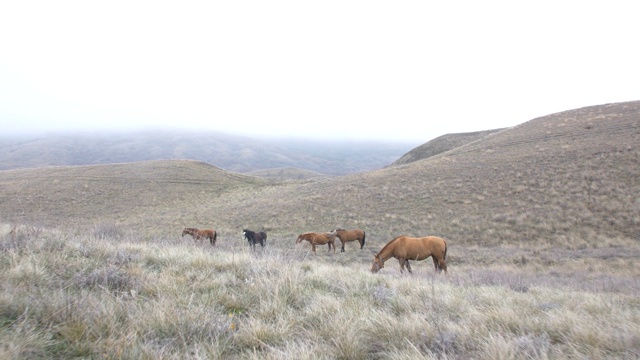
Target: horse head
377,264
250,236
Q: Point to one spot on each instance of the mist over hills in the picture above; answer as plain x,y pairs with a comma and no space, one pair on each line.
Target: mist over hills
565,178
229,152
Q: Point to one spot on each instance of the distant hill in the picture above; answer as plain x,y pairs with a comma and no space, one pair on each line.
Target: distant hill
229,152
286,174
567,180
442,144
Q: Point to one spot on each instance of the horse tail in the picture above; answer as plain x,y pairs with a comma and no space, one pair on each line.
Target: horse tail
443,266
215,237
364,237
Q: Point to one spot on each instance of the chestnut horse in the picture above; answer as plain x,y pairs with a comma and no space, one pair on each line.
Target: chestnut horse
198,234
318,239
406,248
350,235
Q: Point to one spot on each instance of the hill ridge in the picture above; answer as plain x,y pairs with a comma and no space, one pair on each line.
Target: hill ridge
230,152
442,144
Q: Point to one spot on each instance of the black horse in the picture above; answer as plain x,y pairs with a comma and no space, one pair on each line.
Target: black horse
254,238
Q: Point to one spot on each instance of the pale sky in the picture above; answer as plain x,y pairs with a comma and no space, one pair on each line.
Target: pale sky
396,70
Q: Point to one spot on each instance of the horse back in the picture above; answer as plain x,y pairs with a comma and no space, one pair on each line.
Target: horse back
418,248
305,236
323,238
437,246
316,238
350,235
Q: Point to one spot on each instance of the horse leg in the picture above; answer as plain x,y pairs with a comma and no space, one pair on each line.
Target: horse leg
342,247
435,264
409,266
442,265
401,265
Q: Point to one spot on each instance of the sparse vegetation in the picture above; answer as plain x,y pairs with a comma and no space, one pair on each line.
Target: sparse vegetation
81,295
542,222
282,174
442,144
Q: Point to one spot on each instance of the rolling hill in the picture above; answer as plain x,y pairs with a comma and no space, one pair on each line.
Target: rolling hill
229,152
567,179
441,144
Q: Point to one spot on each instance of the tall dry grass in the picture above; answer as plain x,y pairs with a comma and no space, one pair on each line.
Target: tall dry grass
109,294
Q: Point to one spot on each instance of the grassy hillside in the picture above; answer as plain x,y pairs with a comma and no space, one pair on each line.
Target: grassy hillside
541,220
149,197
563,179
441,144
560,179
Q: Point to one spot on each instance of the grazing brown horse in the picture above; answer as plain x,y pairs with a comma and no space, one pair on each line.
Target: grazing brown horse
318,239
350,235
198,234
406,248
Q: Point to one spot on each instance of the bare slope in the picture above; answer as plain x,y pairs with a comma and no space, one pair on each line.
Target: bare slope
441,144
565,179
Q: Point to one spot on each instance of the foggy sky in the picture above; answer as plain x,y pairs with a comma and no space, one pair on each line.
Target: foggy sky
409,70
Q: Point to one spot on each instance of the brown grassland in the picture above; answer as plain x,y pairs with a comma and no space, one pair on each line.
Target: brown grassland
542,222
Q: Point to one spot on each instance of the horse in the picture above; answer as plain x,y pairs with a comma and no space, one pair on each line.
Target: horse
198,234
350,235
406,248
254,238
318,239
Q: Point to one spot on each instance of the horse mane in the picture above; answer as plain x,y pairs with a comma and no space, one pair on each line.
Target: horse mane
388,244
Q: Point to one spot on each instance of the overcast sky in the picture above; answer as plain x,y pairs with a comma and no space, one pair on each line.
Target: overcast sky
398,70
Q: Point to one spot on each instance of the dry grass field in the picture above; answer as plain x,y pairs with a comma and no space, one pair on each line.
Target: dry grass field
542,221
